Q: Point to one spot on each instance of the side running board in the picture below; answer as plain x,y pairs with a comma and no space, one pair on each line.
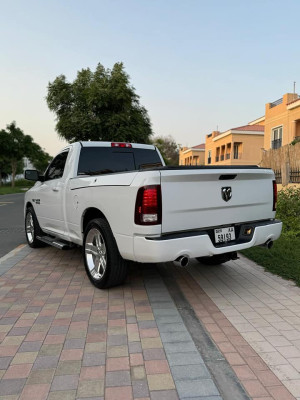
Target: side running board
59,243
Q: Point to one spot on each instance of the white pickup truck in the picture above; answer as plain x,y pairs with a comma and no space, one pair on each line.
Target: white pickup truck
120,202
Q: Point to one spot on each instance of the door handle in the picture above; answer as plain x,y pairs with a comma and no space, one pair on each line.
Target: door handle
55,189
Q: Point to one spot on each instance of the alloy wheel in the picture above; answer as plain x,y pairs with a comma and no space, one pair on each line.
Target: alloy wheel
95,253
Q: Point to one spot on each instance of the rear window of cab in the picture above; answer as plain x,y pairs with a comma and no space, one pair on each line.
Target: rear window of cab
107,160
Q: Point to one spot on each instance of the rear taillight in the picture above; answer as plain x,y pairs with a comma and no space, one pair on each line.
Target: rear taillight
274,195
148,206
119,144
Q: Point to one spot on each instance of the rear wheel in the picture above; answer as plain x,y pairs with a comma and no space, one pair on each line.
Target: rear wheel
103,263
32,229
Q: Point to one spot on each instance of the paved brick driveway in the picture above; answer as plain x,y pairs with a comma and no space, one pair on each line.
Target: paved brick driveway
63,339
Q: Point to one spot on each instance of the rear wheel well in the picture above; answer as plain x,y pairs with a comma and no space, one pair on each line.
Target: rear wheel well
89,214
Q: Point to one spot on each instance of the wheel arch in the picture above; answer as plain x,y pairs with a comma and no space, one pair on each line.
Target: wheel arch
89,214
28,204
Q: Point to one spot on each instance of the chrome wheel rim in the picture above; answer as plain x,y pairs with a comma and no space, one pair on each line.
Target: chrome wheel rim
29,227
95,253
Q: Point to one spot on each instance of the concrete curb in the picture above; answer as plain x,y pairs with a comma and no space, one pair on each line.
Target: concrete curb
13,257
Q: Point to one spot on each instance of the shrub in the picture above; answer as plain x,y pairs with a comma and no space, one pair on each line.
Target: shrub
21,183
288,210
24,183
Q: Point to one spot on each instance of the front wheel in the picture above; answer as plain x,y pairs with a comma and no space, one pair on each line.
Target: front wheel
103,263
32,229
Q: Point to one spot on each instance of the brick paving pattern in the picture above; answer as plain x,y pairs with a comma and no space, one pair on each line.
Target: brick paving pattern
255,321
63,339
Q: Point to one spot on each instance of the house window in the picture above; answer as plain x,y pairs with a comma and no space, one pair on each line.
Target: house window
209,157
228,151
237,150
217,154
276,138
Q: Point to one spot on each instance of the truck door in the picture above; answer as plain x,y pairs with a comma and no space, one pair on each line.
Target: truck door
51,195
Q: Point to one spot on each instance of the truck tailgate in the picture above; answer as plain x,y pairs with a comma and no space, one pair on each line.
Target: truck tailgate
192,198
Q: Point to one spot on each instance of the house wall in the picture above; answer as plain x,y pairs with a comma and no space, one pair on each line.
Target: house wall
282,115
188,156
249,150
210,146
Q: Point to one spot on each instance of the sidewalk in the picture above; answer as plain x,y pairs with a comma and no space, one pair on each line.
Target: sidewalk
63,339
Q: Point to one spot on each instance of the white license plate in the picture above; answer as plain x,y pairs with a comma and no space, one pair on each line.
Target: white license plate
223,235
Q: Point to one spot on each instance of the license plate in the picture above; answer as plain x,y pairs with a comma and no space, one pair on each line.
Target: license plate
223,235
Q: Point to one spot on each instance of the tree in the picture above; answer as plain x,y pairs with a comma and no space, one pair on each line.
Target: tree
100,105
168,148
14,146
3,154
39,158
17,146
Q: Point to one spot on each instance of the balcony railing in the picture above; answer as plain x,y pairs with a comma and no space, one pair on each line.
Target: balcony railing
276,144
227,156
276,103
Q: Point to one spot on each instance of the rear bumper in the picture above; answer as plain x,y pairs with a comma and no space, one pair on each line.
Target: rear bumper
198,244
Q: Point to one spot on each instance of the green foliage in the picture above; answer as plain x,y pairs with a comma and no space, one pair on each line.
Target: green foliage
100,105
39,158
14,146
295,141
288,210
23,183
284,257
4,163
168,148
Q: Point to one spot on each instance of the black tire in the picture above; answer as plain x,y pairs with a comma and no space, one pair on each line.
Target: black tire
214,260
32,229
103,263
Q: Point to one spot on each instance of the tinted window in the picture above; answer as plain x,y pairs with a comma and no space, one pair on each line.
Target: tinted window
146,158
104,160
57,166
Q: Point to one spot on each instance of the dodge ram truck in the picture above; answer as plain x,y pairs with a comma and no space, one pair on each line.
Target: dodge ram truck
121,203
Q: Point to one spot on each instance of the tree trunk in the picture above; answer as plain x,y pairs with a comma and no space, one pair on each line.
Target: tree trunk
0,178
13,172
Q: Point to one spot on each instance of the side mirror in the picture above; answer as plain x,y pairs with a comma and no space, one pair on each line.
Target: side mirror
33,175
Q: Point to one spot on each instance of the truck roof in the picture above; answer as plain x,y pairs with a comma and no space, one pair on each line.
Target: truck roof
109,144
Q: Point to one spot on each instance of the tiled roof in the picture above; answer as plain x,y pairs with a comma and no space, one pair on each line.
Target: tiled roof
257,128
199,146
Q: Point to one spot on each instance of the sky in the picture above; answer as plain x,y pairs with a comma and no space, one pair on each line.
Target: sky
196,65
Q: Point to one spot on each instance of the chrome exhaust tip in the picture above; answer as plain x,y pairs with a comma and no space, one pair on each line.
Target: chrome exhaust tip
182,261
269,244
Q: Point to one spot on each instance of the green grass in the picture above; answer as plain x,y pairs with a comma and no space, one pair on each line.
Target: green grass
10,190
283,259
19,187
